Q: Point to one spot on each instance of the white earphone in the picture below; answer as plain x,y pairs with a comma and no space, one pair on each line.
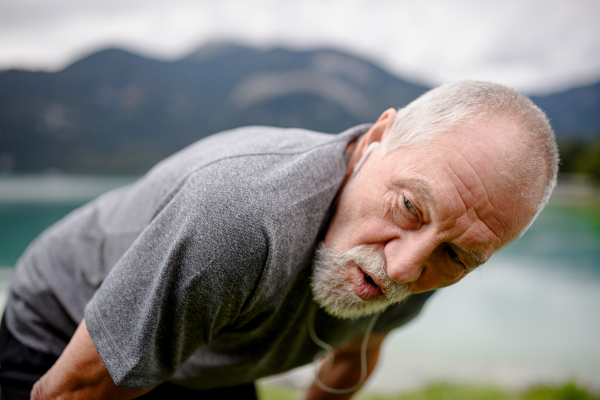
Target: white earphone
364,157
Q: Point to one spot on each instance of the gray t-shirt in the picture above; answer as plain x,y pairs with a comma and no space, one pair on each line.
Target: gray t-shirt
199,272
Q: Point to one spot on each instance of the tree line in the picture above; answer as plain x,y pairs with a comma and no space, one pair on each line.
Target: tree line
581,157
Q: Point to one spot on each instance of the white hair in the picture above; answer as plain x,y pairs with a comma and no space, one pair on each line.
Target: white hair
439,110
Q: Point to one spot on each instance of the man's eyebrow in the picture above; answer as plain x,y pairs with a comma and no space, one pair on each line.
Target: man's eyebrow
423,190
419,186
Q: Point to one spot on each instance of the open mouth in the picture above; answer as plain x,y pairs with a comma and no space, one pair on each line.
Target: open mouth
365,287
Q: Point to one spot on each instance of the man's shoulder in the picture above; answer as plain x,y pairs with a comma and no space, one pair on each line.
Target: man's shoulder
268,165
259,140
255,161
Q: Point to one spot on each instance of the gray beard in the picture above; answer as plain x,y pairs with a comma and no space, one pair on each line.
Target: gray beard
332,284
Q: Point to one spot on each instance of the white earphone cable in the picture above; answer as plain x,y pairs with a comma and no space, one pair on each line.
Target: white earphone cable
328,349
328,354
364,157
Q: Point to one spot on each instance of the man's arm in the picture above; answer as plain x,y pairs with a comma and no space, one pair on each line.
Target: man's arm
345,372
79,373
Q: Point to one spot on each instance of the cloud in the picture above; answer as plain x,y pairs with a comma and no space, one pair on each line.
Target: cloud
535,45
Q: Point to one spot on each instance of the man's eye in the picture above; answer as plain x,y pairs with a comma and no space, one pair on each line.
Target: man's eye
453,254
410,206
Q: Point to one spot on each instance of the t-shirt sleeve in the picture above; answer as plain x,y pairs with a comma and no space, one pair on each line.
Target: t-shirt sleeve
188,275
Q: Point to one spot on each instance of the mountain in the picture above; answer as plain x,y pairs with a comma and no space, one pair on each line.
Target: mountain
117,112
114,111
575,113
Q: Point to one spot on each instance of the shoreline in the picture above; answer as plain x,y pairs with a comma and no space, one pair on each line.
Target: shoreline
576,190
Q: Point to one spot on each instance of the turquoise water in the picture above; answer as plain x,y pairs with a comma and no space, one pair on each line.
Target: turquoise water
531,314
21,223
31,203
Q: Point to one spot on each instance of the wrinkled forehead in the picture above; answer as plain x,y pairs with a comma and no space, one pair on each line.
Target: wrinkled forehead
470,174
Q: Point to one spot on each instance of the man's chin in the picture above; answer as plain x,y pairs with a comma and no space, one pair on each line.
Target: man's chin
333,286
357,310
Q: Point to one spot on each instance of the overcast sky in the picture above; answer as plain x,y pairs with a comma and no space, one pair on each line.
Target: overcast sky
536,46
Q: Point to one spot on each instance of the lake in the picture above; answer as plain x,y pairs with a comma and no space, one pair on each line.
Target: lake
531,314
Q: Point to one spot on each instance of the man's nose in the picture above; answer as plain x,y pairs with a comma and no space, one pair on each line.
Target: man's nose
407,257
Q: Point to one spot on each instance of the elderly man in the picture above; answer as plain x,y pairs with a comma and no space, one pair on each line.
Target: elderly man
244,254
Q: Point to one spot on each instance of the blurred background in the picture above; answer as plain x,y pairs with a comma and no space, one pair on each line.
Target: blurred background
92,94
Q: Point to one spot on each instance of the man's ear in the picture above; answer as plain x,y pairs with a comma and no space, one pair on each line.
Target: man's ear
383,125
377,133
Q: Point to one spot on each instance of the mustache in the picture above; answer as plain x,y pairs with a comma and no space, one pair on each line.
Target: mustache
373,264
332,285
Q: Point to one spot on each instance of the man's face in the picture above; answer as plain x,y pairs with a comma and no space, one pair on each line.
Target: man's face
415,220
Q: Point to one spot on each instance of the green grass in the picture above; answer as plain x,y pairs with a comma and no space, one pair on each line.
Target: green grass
272,392
444,391
569,391
448,391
